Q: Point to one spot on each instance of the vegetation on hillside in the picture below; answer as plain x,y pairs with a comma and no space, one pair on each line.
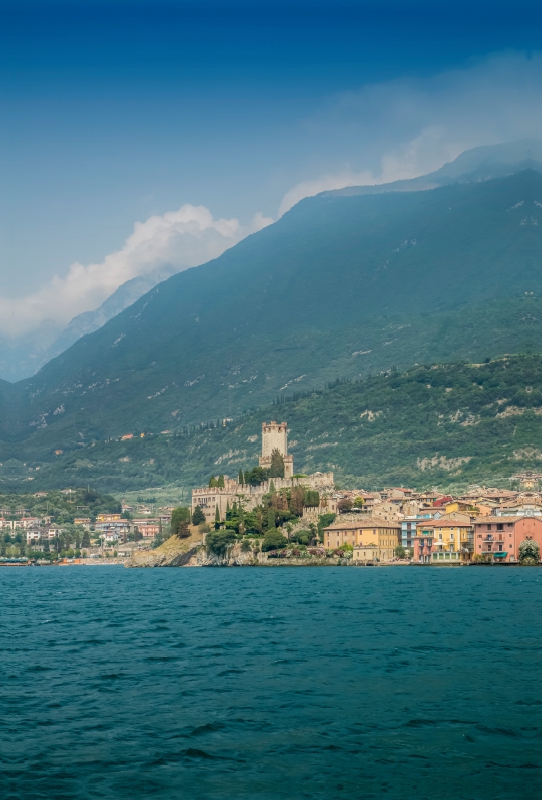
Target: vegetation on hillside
340,286
447,425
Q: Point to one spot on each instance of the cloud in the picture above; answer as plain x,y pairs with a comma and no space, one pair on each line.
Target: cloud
183,239
408,127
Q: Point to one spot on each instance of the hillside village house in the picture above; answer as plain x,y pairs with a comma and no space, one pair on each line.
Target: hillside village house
147,527
499,537
363,530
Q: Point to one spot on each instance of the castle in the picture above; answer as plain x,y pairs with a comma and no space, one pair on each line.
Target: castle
274,437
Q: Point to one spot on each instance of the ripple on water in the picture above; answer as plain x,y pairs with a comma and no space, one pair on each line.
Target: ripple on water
288,683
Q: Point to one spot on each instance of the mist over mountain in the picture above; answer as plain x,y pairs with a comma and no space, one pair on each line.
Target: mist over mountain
344,285
28,353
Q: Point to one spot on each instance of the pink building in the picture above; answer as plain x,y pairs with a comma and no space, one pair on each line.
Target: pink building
500,537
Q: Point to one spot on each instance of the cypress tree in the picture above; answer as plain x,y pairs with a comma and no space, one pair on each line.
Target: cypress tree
241,478
276,470
220,482
198,517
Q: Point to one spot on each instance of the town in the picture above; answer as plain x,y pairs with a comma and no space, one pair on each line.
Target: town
278,514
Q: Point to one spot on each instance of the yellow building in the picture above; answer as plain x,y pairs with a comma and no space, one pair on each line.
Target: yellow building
463,507
363,530
449,536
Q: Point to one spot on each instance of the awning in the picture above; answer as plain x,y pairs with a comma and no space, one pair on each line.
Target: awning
499,555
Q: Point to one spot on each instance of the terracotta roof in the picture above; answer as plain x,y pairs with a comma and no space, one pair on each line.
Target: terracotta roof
482,520
361,521
519,503
444,523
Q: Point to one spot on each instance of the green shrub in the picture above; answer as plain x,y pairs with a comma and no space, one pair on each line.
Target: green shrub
273,540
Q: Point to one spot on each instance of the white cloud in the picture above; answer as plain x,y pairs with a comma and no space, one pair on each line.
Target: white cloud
183,238
409,127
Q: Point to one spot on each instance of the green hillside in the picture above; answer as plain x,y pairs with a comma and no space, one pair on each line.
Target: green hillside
340,286
446,425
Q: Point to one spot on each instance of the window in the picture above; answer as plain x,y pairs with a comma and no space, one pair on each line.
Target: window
488,526
500,526
480,535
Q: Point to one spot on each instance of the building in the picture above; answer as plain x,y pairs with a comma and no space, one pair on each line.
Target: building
147,527
498,538
463,507
451,541
83,521
363,530
366,554
275,437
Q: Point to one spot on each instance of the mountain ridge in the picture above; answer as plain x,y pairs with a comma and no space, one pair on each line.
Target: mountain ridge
387,279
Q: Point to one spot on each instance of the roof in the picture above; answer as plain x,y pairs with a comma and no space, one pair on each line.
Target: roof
361,521
516,518
444,523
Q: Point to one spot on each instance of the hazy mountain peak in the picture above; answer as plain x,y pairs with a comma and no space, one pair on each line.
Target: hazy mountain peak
479,163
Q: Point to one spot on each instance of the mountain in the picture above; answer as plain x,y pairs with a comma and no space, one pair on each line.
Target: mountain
342,285
24,356
479,164
446,425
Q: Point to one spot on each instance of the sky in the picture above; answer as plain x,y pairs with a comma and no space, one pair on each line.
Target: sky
136,134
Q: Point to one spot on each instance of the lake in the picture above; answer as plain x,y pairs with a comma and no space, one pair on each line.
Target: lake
396,682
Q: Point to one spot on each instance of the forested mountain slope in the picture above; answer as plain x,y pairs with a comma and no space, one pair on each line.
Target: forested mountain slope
340,286
446,425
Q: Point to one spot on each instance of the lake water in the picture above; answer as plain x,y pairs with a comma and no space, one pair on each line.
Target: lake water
271,683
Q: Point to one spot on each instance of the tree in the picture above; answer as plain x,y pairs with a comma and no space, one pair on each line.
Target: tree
217,519
400,551
311,499
276,470
323,521
85,542
198,517
344,505
273,540
213,483
217,542
241,478
178,515
301,537
297,496
220,482
183,531
359,502
529,552
256,476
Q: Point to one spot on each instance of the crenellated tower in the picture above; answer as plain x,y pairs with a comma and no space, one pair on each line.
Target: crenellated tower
275,437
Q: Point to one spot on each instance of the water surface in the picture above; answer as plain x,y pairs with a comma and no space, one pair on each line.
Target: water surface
271,683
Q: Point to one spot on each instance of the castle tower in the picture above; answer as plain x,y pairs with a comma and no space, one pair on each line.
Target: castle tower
275,437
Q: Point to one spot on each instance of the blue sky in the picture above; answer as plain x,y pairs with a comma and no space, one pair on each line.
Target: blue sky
117,112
